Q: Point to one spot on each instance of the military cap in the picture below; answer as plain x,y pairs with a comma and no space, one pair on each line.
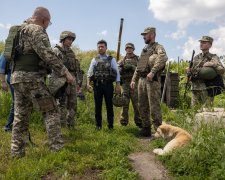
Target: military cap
148,30
129,45
206,38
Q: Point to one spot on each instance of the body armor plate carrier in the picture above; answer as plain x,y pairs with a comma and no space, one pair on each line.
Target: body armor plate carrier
103,71
142,66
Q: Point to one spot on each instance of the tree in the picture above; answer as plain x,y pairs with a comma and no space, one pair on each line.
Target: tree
2,46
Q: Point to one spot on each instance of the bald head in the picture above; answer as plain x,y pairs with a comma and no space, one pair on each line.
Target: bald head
41,12
41,16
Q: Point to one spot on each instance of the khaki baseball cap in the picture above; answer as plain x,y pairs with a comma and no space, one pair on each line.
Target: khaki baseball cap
148,30
206,39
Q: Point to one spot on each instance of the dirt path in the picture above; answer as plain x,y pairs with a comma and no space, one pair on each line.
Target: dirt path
147,165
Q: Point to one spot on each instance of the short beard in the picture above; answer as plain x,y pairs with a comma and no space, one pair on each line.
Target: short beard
102,53
147,41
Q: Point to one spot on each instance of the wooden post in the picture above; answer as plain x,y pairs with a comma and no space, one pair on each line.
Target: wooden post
119,40
165,83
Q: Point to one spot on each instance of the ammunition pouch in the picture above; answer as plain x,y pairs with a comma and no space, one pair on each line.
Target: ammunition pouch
129,67
103,72
143,74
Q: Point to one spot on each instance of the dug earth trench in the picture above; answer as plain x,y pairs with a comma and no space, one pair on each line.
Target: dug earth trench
147,165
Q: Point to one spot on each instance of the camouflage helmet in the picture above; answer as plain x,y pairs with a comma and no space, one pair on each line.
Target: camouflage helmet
66,34
120,100
55,84
129,45
207,73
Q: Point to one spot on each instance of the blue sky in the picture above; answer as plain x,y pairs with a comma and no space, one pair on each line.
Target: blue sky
179,23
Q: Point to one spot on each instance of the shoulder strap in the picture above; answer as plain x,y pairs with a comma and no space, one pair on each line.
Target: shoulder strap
97,59
109,58
58,47
137,57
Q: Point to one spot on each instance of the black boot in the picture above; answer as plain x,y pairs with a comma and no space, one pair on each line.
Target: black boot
139,125
145,132
138,122
123,122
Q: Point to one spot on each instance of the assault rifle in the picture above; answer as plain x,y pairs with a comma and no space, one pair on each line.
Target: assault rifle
189,74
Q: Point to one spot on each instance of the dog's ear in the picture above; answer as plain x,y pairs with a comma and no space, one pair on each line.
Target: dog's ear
163,129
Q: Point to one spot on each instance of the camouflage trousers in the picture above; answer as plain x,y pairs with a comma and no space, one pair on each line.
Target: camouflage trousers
201,98
71,104
133,96
66,97
67,104
27,95
149,94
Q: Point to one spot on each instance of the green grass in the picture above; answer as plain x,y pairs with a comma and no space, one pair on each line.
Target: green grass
86,150
103,154
204,158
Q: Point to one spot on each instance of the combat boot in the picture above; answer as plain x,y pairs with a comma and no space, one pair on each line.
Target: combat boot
145,132
124,122
138,122
139,125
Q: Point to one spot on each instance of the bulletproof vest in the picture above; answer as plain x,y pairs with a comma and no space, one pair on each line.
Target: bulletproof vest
128,67
103,71
142,65
28,63
69,59
11,42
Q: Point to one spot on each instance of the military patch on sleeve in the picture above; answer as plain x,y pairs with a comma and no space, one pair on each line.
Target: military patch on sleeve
161,50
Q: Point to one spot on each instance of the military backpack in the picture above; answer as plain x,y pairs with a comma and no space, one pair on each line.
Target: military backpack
12,43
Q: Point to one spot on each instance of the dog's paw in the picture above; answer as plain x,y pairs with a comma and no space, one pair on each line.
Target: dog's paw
158,151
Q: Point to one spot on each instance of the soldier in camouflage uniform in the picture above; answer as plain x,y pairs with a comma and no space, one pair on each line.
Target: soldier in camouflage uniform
204,59
29,85
64,92
152,61
127,67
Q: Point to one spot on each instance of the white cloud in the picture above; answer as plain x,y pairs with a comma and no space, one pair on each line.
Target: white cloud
219,38
189,46
103,33
5,26
217,48
184,12
177,35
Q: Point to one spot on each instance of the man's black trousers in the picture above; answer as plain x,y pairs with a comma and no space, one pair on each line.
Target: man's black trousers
106,90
